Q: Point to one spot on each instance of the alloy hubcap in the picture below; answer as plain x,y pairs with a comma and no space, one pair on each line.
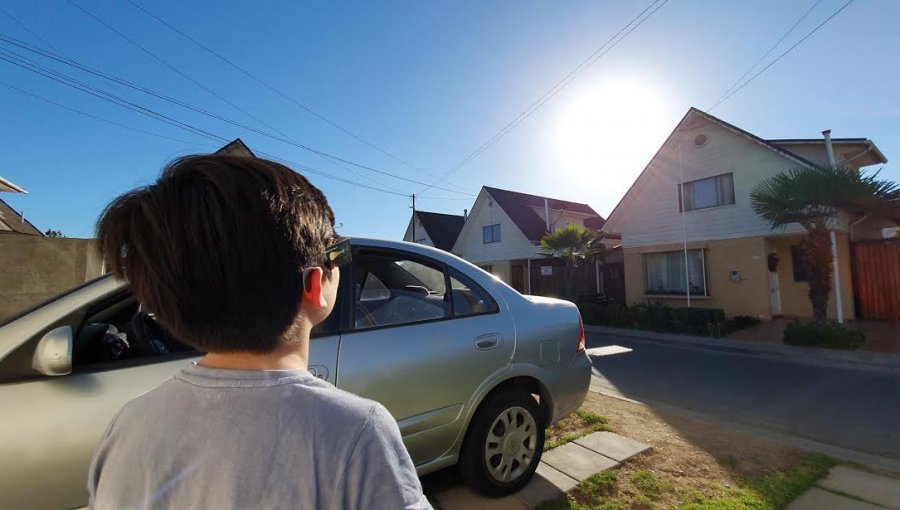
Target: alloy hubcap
510,444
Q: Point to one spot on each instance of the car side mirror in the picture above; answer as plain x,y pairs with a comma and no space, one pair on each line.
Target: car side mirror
53,354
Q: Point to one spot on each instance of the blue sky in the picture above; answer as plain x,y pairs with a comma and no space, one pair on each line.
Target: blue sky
430,82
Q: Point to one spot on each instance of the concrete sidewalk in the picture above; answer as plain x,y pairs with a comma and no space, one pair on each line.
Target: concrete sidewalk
560,470
847,488
862,360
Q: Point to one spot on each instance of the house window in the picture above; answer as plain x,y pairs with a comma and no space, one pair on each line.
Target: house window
706,193
801,273
487,267
664,273
491,234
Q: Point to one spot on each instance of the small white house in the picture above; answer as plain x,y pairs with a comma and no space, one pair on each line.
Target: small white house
503,231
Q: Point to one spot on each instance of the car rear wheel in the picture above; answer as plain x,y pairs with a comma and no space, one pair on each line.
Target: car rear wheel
504,444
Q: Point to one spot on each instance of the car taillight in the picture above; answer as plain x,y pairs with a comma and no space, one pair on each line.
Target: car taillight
580,336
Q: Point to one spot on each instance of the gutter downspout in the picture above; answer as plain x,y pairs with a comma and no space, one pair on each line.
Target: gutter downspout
838,296
687,271
547,214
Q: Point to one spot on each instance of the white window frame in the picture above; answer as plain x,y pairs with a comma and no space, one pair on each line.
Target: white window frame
495,228
680,255
722,198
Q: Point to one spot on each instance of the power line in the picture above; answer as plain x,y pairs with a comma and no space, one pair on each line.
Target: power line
173,68
271,88
805,37
24,27
767,53
101,119
611,43
101,94
288,141
107,96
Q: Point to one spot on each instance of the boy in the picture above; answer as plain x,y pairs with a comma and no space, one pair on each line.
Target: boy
229,253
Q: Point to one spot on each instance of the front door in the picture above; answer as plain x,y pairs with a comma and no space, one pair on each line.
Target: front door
423,339
518,277
774,293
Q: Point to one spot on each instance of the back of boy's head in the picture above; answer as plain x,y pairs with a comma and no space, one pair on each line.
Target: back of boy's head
216,249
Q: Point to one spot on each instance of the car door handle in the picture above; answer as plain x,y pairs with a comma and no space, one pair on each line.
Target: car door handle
484,343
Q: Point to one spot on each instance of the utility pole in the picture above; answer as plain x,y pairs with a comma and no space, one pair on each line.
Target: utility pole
414,217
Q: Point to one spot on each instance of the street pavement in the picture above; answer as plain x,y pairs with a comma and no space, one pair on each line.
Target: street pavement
856,409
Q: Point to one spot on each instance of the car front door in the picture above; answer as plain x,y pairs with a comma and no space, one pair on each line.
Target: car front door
423,338
51,426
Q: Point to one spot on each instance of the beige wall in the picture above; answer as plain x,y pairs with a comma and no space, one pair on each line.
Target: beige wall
34,268
749,296
795,295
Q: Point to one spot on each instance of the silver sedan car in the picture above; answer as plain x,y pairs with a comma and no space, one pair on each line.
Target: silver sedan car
472,370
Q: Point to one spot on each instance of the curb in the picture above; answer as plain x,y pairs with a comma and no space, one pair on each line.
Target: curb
861,360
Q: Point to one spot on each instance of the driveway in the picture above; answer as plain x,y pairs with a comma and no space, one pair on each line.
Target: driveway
848,408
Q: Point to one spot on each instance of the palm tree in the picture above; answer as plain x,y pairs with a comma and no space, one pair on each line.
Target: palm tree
574,243
814,197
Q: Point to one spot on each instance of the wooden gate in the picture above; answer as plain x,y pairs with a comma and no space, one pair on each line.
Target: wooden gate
876,279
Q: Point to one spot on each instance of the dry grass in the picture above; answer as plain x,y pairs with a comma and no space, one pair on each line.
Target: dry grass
578,424
694,465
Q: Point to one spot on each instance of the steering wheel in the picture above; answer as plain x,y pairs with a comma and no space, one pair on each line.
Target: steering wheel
362,312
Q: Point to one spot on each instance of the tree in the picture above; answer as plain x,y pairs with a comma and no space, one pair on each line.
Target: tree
53,233
576,244
814,197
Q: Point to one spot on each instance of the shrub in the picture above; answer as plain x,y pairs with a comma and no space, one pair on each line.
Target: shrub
664,318
831,335
739,322
612,315
659,317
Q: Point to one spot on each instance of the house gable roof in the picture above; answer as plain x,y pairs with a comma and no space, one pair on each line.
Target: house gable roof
12,220
236,147
443,229
519,207
692,112
10,187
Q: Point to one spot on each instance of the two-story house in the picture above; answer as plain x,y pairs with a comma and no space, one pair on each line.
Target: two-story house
693,198
502,235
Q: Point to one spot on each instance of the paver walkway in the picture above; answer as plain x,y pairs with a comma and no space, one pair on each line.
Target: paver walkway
846,488
559,471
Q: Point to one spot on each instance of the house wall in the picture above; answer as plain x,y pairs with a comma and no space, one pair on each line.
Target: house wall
34,269
818,155
559,219
795,295
513,243
749,296
421,233
649,215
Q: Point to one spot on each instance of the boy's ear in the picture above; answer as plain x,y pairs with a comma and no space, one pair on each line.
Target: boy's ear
312,288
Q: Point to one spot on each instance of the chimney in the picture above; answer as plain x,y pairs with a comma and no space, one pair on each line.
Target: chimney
465,214
828,148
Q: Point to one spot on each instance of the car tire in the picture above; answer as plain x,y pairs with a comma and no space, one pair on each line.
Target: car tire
504,443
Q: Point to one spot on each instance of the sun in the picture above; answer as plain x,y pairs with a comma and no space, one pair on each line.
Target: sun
608,130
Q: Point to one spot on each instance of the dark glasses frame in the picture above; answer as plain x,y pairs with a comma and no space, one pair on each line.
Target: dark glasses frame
337,255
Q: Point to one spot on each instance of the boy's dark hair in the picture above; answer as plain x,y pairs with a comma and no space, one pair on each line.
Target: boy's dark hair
216,248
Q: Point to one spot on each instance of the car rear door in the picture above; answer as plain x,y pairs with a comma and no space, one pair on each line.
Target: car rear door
422,339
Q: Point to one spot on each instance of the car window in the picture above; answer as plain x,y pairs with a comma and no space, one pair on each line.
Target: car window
115,330
395,289
373,289
468,297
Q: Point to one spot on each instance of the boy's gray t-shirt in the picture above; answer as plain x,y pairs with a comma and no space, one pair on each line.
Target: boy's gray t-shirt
213,438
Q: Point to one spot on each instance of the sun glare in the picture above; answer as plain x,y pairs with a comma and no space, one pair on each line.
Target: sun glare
608,131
